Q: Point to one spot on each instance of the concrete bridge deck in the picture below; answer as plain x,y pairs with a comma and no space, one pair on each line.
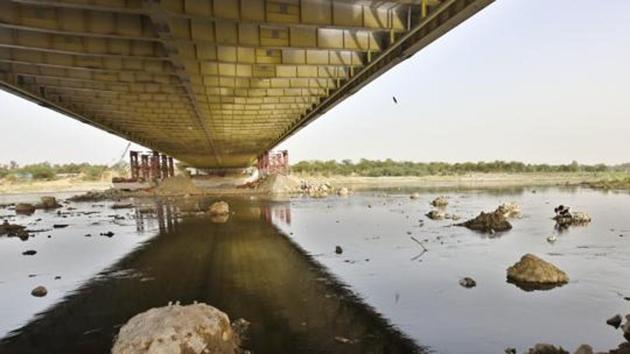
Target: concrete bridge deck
214,83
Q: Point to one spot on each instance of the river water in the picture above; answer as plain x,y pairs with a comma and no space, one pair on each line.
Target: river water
274,264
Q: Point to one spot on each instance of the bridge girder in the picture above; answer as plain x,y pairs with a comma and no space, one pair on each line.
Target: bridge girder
212,83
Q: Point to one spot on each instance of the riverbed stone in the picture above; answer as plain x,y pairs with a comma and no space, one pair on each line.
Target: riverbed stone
48,202
544,348
24,208
509,210
615,321
415,195
533,270
343,192
191,329
39,291
488,222
584,349
436,214
219,208
440,202
626,328
467,282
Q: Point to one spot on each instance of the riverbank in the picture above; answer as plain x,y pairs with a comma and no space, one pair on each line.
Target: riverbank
235,186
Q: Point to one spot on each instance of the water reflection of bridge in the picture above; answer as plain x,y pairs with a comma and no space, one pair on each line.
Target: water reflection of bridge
243,267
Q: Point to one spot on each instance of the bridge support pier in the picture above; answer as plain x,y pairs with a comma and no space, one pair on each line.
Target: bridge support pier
273,162
150,166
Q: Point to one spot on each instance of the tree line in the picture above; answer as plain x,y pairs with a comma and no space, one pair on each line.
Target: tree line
47,171
377,168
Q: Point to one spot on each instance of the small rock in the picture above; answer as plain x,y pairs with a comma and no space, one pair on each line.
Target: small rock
552,239
219,208
343,340
343,192
436,214
467,282
39,291
60,226
240,327
24,208
510,351
29,253
338,250
414,196
626,328
509,210
544,348
440,202
57,277
584,349
48,203
108,234
122,205
615,321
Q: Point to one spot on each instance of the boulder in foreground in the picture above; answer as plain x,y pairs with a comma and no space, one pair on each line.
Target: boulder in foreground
194,329
533,270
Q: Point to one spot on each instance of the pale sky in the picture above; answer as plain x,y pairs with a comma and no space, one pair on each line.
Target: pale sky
535,81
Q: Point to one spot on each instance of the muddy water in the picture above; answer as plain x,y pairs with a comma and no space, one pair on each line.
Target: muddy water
274,264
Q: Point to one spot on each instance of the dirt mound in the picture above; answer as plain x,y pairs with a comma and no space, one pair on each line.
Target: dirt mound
177,185
279,184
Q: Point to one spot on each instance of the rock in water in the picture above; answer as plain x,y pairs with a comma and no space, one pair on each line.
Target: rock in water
509,210
533,270
39,291
343,192
436,215
194,329
414,196
467,282
29,253
615,321
626,328
338,250
24,208
584,349
543,348
48,203
488,222
440,202
219,208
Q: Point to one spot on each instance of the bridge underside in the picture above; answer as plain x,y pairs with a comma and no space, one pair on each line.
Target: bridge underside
213,83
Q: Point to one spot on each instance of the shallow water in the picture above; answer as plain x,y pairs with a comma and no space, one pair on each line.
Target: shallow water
274,264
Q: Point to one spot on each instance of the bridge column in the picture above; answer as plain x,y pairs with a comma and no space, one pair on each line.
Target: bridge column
155,165
171,167
133,165
146,171
164,166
